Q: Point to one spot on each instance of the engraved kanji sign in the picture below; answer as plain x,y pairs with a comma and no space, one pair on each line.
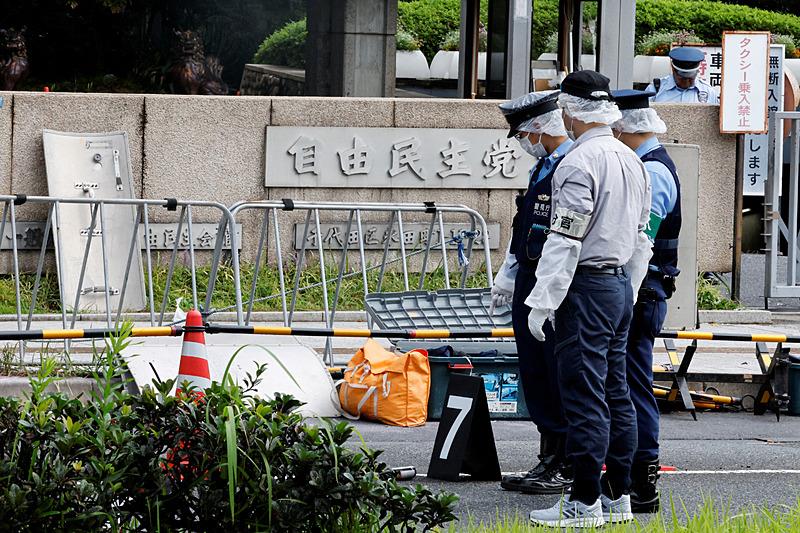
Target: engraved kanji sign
394,158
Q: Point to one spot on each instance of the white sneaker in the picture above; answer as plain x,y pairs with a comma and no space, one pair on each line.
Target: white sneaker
566,513
616,511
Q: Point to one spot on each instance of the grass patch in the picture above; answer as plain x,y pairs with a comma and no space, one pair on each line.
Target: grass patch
710,517
710,297
267,294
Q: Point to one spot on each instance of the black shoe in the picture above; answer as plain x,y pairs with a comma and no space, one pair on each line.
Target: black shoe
644,494
550,447
556,480
516,481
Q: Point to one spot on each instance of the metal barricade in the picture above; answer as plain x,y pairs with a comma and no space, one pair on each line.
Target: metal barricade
778,230
138,220
353,240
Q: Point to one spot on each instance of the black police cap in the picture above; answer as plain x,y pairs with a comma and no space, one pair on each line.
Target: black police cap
517,117
587,84
631,99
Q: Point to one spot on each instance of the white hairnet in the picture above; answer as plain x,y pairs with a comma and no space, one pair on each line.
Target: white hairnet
587,111
644,120
549,123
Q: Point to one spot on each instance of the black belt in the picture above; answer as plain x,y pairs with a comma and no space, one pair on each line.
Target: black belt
612,271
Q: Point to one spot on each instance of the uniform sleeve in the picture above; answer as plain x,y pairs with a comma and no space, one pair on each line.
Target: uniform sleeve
507,274
713,97
573,205
642,251
664,192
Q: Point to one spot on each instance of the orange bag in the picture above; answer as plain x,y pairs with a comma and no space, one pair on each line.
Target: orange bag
387,387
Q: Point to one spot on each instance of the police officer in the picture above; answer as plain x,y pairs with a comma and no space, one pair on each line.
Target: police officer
682,86
535,120
637,129
595,255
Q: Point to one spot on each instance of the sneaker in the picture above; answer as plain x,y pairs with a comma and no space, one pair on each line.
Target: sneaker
616,511
555,480
566,513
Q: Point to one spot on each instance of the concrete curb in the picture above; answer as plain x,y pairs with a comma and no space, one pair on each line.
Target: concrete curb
256,316
20,386
737,316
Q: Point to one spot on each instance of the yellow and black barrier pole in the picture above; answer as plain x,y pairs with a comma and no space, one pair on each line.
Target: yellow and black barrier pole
174,331
90,333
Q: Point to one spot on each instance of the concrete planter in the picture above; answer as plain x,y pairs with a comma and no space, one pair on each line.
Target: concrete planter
411,64
445,65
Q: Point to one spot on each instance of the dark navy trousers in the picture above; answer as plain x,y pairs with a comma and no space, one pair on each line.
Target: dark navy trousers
648,318
591,337
537,363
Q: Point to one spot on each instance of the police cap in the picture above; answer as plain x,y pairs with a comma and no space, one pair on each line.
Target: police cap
686,57
587,84
524,108
632,99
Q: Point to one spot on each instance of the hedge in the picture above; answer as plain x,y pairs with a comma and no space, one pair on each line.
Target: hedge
430,21
287,46
709,19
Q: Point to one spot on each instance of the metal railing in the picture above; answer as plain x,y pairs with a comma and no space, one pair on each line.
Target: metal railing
75,262
777,229
274,217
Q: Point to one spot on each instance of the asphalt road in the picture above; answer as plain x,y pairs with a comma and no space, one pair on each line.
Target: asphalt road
737,459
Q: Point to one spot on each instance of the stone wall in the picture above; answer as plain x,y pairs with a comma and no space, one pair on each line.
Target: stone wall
212,148
269,80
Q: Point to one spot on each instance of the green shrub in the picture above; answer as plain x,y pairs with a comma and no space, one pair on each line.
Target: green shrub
789,42
551,43
432,20
405,41
709,296
228,461
287,46
659,43
452,41
709,19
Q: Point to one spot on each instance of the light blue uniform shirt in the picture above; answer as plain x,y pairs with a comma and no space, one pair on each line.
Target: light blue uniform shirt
550,162
669,93
664,190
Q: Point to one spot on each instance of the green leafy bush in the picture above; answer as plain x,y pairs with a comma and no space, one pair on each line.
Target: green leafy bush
287,46
789,42
405,41
587,43
709,296
709,19
659,43
228,461
432,20
451,42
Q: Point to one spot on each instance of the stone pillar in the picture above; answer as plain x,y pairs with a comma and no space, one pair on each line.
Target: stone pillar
615,39
351,48
518,65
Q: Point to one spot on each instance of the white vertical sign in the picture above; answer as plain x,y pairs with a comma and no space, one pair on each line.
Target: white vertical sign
755,163
743,96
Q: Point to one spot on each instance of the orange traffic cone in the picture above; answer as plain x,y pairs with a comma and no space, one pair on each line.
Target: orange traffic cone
194,359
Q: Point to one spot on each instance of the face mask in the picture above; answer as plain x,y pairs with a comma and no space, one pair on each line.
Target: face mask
618,134
536,150
570,133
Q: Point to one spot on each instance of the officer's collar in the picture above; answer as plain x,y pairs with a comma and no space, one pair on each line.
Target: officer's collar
562,149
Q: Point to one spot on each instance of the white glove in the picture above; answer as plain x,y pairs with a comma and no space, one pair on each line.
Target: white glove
536,320
500,297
